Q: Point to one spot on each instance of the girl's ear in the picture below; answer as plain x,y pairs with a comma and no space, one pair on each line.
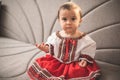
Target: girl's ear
58,19
80,20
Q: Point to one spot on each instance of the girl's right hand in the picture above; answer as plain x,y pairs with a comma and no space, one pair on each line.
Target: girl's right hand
43,47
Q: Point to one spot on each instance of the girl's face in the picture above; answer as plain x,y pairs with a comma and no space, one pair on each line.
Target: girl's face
69,20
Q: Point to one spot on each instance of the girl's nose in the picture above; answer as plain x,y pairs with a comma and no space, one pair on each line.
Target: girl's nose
68,22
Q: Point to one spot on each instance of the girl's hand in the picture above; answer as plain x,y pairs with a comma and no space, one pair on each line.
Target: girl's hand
43,47
82,63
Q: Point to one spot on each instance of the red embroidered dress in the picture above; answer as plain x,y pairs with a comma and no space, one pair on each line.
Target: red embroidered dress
62,61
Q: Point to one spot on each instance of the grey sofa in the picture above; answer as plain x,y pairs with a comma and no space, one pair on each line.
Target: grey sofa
26,22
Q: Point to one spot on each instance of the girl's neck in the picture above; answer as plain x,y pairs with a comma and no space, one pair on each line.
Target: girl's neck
75,35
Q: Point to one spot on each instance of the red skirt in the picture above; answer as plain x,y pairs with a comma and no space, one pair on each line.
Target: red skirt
48,68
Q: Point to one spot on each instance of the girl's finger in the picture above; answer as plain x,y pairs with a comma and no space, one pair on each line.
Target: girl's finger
84,63
36,45
43,43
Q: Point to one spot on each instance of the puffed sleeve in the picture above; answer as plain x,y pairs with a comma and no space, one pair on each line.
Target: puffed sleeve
51,42
88,52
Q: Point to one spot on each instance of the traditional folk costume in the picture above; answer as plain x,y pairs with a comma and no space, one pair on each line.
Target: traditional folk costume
61,63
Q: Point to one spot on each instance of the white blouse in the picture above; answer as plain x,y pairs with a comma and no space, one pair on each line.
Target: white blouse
84,46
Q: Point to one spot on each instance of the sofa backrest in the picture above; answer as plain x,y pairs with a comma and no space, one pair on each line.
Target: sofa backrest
32,21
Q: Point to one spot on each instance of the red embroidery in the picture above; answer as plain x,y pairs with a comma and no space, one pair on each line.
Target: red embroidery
67,48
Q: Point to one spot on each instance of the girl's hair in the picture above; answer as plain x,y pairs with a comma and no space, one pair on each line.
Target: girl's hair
69,6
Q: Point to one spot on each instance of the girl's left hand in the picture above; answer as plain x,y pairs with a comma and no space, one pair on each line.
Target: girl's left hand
82,63
43,47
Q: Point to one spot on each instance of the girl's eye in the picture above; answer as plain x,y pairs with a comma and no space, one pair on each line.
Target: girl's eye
73,19
64,19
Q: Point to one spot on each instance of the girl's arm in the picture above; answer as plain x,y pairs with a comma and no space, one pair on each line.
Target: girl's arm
87,53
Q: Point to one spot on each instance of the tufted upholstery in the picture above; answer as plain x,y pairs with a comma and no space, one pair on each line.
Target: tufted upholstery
26,22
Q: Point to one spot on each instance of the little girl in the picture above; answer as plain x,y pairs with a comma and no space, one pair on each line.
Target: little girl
69,52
